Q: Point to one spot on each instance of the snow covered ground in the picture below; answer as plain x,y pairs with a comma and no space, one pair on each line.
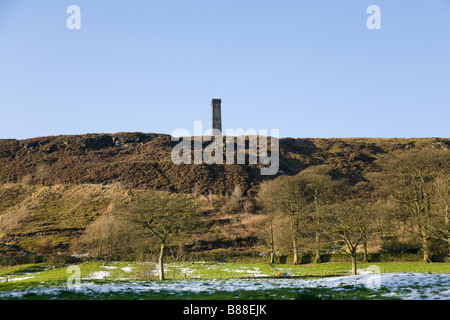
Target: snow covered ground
407,286
98,275
13,279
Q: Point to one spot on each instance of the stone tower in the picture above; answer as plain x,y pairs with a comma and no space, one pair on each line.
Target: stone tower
216,116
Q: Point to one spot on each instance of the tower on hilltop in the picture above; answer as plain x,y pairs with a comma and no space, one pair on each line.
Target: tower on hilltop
216,116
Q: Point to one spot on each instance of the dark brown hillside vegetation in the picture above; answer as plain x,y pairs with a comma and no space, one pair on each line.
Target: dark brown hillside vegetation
135,160
139,160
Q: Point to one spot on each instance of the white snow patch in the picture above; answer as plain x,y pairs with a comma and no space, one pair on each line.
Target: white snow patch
8,279
255,272
98,275
186,271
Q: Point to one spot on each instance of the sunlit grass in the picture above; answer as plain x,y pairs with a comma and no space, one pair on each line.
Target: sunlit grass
24,278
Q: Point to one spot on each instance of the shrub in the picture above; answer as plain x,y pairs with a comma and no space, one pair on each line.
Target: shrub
45,248
10,260
232,206
59,261
398,247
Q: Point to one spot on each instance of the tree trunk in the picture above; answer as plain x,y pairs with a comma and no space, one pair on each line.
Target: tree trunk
272,244
294,244
294,229
364,240
354,269
161,262
317,258
426,248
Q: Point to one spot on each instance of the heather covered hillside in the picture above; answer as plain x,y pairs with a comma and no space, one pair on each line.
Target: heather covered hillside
139,160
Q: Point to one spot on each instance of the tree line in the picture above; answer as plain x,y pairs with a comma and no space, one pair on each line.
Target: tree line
407,195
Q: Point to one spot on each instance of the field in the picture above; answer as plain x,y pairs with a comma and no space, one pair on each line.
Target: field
207,280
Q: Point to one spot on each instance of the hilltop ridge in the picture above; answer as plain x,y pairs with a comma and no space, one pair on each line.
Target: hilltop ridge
143,160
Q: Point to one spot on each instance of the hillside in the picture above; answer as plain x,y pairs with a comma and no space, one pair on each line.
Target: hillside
53,188
138,160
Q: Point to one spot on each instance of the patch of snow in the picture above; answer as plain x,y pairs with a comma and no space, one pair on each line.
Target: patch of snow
250,271
99,275
186,271
7,279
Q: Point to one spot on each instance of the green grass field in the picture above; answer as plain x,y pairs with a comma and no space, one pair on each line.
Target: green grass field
208,280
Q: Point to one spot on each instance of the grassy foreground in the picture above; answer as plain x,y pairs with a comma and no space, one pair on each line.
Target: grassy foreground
126,280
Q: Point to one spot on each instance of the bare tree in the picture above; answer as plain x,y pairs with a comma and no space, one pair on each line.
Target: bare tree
267,225
165,216
270,239
348,221
286,195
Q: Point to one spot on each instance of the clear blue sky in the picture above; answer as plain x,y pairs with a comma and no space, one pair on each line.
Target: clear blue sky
307,68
